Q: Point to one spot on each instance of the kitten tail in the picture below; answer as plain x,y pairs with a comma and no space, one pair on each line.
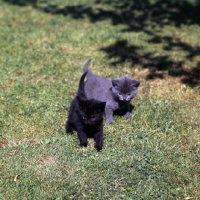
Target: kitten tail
81,89
85,66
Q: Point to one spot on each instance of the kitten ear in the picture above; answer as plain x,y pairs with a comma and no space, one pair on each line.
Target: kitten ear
135,83
80,101
115,82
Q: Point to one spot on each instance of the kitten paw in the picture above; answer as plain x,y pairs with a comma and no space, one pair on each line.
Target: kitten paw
83,144
69,130
98,148
110,121
128,115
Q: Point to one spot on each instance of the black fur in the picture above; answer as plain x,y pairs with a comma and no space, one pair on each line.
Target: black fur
86,117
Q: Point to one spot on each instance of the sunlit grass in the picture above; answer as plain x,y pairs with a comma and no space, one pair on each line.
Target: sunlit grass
154,155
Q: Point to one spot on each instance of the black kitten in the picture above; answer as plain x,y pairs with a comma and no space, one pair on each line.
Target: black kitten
86,117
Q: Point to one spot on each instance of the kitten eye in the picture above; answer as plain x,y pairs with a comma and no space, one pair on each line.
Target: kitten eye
119,94
129,94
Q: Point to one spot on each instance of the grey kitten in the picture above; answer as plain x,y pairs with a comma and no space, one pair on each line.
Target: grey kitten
116,93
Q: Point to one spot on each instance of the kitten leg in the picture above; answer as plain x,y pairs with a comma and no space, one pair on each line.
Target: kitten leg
128,113
69,127
82,138
109,115
98,138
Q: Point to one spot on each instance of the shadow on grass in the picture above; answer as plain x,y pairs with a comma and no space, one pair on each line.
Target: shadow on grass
126,11
122,112
138,16
22,2
157,65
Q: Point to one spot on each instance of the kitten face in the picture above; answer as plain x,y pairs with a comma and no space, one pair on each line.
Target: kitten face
91,110
124,88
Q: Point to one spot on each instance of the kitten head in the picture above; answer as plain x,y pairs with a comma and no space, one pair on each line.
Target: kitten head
124,89
91,110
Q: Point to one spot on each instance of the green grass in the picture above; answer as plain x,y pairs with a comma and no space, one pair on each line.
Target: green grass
155,155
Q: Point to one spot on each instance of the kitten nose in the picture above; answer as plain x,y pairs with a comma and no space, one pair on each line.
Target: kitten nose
88,121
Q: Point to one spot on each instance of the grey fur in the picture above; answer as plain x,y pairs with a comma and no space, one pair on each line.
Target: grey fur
85,66
116,93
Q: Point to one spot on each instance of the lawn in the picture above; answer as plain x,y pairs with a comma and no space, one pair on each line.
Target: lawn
43,46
